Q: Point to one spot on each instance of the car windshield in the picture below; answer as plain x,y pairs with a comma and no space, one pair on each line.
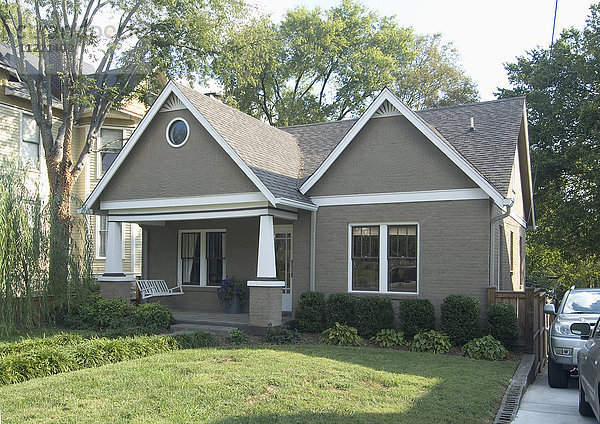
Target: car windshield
582,303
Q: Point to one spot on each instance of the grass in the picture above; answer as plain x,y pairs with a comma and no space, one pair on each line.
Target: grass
284,384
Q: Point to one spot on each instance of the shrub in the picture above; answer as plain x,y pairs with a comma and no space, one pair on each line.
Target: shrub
430,341
502,323
153,316
94,313
373,314
115,333
460,318
310,313
238,337
389,337
415,316
282,335
341,335
341,307
195,340
487,348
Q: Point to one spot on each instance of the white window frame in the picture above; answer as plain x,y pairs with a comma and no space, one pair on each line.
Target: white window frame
203,264
99,173
383,257
97,239
179,118
39,143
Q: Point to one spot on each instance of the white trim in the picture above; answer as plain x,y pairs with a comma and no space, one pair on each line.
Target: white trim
530,191
139,130
183,201
383,258
401,197
97,238
266,283
204,215
313,250
187,135
434,137
203,265
514,215
295,204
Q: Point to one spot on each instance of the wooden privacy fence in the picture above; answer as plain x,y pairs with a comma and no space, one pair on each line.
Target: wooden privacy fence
533,323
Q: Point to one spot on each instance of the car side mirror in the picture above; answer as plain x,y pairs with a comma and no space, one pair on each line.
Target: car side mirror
581,329
549,309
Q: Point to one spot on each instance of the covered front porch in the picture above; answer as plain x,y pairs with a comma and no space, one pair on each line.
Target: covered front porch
196,248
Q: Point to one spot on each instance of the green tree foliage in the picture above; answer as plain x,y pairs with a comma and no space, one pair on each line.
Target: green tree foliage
562,89
319,65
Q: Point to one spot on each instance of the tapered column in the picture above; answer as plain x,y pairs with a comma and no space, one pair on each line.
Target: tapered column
113,282
265,291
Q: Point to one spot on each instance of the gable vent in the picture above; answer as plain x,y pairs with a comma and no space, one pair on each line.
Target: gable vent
172,103
386,109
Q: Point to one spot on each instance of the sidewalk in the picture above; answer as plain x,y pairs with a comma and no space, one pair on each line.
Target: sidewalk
544,405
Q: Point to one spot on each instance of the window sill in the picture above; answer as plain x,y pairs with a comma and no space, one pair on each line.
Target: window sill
384,293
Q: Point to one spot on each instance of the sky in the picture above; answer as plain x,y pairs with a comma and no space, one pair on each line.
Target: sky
486,34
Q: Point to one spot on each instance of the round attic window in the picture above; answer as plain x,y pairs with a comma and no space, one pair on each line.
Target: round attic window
178,132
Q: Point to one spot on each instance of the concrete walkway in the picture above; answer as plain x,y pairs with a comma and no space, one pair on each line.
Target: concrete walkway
544,405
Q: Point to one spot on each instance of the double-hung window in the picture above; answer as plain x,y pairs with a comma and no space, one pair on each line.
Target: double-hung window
201,257
384,258
30,140
101,235
110,143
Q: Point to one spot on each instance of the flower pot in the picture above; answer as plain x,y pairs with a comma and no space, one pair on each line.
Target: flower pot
235,307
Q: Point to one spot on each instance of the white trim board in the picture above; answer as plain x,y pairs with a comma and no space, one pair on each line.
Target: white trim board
217,199
434,137
203,215
171,88
401,197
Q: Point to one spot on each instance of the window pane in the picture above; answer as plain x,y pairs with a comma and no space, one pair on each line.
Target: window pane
102,235
111,142
29,129
402,262
411,246
365,274
214,258
190,258
30,152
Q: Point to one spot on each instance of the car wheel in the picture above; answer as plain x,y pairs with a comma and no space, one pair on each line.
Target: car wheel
584,407
558,377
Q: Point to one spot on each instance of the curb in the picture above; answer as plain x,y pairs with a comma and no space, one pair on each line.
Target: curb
515,390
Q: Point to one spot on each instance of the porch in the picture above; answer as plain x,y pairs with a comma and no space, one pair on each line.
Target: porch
196,250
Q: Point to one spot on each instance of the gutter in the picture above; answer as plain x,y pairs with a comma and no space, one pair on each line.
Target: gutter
508,203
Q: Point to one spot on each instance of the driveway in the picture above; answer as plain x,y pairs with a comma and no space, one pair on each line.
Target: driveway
544,405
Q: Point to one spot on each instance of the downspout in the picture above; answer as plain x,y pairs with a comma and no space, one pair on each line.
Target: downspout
508,204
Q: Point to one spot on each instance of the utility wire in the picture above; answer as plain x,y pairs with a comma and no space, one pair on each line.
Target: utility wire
553,27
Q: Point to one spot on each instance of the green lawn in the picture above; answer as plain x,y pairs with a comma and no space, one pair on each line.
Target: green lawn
288,384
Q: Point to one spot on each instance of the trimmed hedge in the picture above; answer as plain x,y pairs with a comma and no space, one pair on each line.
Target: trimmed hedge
33,358
310,313
373,314
502,323
460,318
95,313
341,308
415,316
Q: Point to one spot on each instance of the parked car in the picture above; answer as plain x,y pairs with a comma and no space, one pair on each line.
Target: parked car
578,306
588,360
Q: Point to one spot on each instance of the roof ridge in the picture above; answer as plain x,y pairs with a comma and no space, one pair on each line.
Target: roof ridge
471,104
319,123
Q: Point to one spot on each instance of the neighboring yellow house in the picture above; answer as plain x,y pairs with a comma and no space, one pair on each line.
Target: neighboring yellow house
19,135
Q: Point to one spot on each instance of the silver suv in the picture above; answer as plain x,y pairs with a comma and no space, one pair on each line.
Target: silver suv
564,340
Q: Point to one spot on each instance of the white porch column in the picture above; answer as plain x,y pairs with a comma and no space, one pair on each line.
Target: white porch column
265,268
265,291
113,282
114,249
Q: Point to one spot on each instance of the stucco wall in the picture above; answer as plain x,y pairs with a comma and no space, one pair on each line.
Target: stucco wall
390,155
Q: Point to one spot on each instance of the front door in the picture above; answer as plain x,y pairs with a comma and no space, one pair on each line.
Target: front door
284,262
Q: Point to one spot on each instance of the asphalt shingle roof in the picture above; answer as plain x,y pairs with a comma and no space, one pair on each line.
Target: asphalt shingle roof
282,158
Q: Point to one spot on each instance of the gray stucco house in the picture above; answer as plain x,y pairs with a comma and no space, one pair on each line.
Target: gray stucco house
395,203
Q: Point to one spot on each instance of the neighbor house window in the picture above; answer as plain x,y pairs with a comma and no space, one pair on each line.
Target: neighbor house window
101,235
30,140
110,143
201,257
384,258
